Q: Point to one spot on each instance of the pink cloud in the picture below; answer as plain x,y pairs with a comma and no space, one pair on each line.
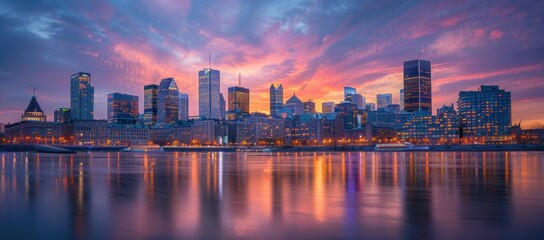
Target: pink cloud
496,34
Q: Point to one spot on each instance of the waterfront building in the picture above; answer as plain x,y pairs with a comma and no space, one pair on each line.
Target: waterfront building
327,107
127,134
384,100
34,112
210,132
348,92
122,108
33,132
181,134
333,127
86,132
183,110
150,104
486,112
167,101
209,96
62,115
276,99
304,129
417,86
81,97
424,128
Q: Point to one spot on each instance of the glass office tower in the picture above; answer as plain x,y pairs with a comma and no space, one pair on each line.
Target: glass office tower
150,104
209,82
276,99
122,108
417,86
167,101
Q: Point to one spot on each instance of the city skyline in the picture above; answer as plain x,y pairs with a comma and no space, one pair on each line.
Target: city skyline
306,54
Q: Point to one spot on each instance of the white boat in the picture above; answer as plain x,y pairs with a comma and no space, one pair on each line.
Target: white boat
143,148
394,147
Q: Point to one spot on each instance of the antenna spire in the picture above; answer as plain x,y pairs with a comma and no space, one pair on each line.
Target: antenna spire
239,80
34,92
210,61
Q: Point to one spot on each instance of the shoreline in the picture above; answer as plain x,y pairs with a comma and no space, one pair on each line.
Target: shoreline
40,148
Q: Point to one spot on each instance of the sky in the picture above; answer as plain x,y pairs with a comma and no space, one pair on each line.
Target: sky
314,48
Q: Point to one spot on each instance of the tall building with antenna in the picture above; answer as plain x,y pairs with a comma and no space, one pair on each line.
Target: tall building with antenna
417,86
238,100
209,99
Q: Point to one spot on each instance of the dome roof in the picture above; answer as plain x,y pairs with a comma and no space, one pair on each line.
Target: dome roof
293,99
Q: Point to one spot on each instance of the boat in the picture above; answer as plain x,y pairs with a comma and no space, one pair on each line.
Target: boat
394,147
143,148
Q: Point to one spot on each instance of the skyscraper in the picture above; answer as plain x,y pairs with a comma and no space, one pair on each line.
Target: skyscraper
183,107
384,100
402,99
122,108
276,99
209,104
81,97
238,99
150,104
348,91
167,101
417,86
486,112
62,115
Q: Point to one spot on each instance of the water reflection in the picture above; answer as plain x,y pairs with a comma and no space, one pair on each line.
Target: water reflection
346,195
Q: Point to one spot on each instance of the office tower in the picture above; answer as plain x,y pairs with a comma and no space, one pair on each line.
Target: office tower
122,108
222,105
350,113
150,104
81,97
238,99
167,101
327,107
486,112
183,110
209,105
348,91
62,115
295,105
357,99
417,86
402,99
384,100
34,112
309,106
276,99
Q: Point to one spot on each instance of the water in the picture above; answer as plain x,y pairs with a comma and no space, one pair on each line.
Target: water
492,195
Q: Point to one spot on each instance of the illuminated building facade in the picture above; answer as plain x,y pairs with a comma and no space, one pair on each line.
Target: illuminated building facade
417,86
348,92
238,99
167,101
183,107
486,112
81,97
122,108
33,112
209,97
150,104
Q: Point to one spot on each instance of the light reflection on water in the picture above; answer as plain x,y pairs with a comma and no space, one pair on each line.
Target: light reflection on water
339,195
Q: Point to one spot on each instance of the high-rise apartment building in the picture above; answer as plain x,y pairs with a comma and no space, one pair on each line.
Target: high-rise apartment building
81,97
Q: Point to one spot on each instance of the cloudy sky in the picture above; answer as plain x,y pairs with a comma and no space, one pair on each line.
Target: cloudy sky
313,48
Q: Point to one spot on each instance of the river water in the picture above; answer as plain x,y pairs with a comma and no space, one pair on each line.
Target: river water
324,195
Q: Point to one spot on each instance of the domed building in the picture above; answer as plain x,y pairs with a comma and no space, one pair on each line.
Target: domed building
295,105
34,112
